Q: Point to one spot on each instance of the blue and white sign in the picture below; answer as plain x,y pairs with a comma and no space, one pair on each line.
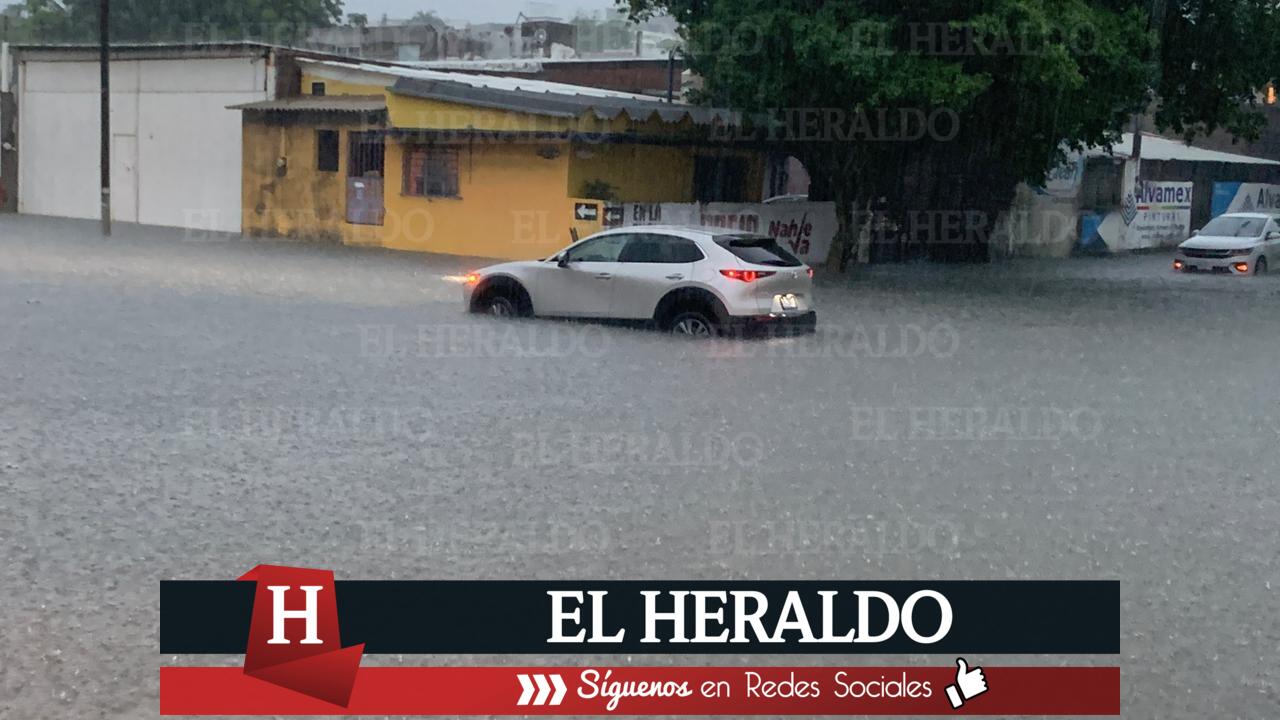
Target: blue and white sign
1152,214
1244,197
1064,181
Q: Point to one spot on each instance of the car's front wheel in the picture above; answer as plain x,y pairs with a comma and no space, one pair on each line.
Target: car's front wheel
693,324
1260,267
503,300
499,306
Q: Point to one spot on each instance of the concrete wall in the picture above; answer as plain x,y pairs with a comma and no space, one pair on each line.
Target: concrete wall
176,145
1037,225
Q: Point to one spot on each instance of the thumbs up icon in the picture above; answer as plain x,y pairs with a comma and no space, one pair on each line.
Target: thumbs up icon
969,684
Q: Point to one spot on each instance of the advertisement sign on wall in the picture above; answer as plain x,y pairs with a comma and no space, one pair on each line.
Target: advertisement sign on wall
1244,197
804,228
1152,214
1065,180
1157,214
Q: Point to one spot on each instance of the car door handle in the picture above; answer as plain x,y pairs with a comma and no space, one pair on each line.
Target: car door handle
604,276
676,276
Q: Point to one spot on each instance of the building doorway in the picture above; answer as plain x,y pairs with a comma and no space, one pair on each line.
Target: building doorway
365,178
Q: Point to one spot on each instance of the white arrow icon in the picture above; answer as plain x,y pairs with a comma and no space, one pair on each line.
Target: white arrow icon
539,683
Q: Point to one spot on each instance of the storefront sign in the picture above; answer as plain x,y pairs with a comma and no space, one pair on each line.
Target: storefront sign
1244,197
804,228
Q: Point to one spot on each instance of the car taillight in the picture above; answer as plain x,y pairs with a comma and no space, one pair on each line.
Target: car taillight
810,273
746,275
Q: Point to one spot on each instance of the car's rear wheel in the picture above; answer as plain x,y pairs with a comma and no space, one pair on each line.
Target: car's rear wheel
692,324
1260,267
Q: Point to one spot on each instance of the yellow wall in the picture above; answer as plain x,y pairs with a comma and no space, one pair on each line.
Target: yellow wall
512,204
339,87
297,201
652,173
637,173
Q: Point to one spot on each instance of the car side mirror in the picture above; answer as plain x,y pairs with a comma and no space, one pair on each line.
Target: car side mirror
1273,235
563,260
1195,232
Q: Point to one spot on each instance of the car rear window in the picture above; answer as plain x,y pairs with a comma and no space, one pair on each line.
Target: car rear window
758,250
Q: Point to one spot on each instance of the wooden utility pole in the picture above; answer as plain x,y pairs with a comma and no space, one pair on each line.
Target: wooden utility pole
104,68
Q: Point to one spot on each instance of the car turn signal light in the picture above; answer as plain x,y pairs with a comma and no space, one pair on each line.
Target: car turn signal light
1242,267
471,278
746,275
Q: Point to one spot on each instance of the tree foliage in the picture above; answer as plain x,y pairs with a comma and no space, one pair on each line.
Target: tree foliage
1214,57
843,85
179,20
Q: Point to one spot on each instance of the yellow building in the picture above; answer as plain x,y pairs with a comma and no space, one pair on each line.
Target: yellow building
475,165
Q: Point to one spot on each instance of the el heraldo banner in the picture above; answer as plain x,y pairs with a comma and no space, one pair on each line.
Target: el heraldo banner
312,645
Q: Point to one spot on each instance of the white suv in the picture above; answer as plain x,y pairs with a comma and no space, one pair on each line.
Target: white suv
687,280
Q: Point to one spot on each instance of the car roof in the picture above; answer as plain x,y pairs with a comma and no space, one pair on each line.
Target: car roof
1250,215
689,229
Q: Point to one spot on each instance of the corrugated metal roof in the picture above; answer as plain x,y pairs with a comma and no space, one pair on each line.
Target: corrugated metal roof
147,45
319,103
1156,147
558,104
532,96
533,65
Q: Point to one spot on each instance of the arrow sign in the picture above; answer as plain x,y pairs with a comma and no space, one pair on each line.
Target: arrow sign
586,211
526,689
542,685
560,690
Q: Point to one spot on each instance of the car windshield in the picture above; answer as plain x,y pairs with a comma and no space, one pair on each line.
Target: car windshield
1234,226
758,250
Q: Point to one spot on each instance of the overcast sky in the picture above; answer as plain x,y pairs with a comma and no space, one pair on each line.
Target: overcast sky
474,10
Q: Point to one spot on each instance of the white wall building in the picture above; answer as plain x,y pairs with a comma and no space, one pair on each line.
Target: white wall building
175,147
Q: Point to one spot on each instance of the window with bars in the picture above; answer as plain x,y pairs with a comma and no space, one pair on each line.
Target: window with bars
431,171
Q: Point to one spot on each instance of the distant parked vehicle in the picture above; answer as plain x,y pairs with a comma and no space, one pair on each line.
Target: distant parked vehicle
693,281
1235,244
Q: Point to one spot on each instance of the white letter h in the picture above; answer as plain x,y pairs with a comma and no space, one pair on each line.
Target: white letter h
279,615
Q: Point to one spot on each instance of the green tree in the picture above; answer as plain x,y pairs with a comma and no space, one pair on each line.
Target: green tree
1214,56
278,21
1003,89
13,23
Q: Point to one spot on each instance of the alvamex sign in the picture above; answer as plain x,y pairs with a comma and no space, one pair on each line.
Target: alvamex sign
1164,194
739,616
